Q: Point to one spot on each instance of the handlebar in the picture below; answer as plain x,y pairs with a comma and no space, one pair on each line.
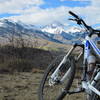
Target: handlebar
82,22
78,19
73,14
97,32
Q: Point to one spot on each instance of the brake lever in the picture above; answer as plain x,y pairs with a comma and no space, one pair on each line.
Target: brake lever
77,20
71,19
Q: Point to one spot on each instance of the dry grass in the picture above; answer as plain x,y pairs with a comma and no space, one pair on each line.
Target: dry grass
19,86
24,86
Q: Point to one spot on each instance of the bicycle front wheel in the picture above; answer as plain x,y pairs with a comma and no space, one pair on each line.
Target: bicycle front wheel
55,91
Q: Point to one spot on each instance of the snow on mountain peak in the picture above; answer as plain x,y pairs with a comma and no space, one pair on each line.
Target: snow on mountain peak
73,30
57,28
54,28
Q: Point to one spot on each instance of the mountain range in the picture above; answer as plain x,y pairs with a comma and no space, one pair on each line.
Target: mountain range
55,32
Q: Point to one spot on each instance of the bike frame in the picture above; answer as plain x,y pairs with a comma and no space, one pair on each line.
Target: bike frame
89,87
88,44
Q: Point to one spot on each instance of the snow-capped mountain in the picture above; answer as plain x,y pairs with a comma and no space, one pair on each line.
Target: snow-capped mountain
54,28
63,33
9,28
57,28
55,32
73,30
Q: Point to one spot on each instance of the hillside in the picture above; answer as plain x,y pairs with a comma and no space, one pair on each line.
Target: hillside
25,45
11,31
14,59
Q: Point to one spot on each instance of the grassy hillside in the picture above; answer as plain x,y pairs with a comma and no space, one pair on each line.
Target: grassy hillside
24,86
25,59
22,68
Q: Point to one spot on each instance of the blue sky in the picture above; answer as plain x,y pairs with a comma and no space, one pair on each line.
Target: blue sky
53,4
42,12
69,3
4,15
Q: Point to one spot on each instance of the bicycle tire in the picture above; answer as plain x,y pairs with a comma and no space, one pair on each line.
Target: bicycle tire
67,85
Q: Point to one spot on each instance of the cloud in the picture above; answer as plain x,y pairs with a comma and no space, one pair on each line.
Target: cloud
44,16
17,6
96,3
31,12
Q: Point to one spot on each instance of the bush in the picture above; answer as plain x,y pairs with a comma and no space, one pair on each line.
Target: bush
24,59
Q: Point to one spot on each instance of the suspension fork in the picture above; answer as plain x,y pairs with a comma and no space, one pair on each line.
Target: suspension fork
53,76
76,60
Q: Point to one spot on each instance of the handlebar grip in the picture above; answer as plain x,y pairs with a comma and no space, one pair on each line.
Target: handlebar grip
70,12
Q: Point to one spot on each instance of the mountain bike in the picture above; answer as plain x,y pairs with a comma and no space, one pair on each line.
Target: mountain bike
59,75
